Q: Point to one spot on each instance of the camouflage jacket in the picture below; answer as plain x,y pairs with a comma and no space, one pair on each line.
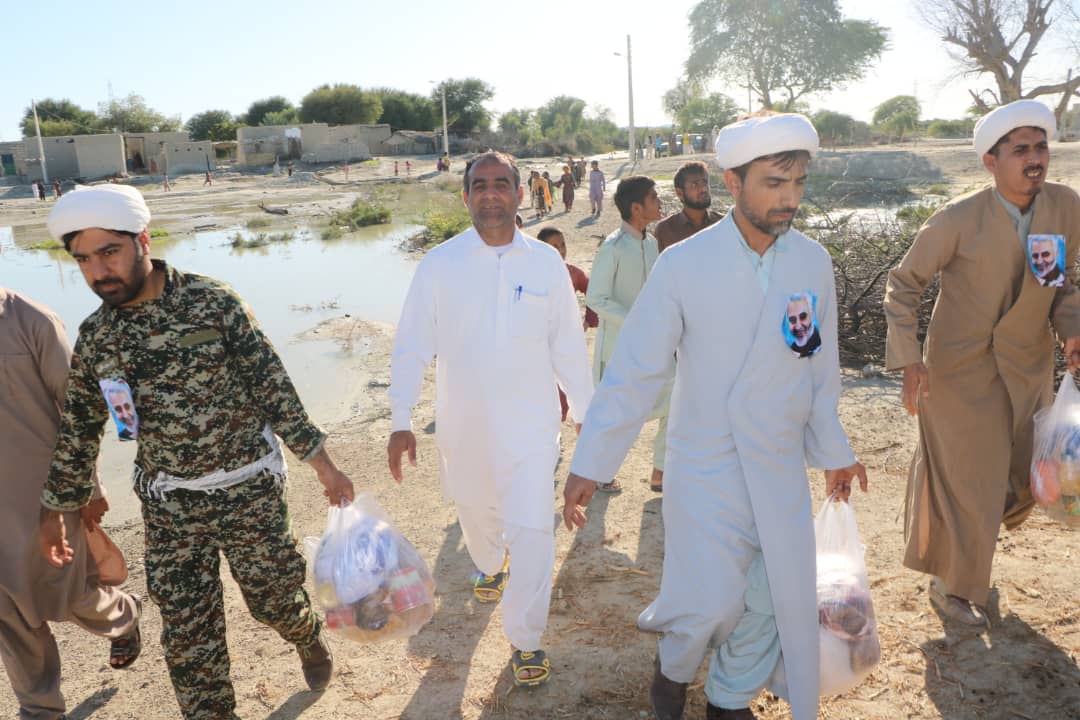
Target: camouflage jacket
204,378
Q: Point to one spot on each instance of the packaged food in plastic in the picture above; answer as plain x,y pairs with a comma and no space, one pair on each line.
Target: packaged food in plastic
847,630
369,580
1055,460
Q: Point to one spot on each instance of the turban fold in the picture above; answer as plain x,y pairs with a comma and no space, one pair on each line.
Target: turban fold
1001,121
109,207
755,137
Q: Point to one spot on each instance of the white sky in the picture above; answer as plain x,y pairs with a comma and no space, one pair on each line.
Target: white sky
213,55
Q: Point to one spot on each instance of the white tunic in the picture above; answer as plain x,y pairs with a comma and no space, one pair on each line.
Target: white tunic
747,414
505,329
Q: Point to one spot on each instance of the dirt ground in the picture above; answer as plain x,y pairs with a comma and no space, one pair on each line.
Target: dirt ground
1023,666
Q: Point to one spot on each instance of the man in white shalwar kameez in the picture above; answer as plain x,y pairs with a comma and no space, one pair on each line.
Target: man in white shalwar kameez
747,414
497,309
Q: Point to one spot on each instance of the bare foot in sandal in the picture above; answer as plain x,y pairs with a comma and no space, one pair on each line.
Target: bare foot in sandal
611,488
123,651
530,668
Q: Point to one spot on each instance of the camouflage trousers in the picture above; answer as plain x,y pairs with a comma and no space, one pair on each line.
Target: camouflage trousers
186,533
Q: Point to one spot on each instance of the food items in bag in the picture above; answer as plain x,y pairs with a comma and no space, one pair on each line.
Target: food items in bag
369,580
847,631
1055,463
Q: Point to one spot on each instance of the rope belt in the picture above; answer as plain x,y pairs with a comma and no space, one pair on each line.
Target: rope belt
162,483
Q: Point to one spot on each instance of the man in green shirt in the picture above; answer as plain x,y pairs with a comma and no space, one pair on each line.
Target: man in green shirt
209,395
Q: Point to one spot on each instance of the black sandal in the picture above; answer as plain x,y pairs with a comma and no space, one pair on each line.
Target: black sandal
489,588
525,661
125,649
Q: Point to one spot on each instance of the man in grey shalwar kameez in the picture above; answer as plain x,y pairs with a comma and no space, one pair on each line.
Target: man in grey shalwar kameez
748,413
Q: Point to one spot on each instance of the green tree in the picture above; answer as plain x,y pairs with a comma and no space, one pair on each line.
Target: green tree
465,100
516,125
675,99
781,50
288,116
951,128
407,111
132,114
258,110
705,112
216,125
561,116
60,117
833,127
340,104
898,115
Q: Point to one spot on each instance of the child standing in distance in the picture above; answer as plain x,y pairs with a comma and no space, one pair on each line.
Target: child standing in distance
597,186
578,278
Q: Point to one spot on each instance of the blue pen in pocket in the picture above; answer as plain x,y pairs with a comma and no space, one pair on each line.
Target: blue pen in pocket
517,293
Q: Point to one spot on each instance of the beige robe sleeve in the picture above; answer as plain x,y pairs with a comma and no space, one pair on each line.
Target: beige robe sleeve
934,247
54,361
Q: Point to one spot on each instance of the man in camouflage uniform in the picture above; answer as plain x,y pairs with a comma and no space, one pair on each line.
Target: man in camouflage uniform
209,393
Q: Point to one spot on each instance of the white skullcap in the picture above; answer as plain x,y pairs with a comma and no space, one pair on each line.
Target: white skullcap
755,137
109,207
1001,121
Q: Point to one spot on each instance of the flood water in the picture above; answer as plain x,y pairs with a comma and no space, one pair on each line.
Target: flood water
290,286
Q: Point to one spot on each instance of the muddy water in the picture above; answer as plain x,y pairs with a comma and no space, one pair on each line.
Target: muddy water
290,286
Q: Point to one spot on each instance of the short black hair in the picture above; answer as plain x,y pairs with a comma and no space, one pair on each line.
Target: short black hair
69,237
784,159
693,167
493,156
547,232
1005,138
632,190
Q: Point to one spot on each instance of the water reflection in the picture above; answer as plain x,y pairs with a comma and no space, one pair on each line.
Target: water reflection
290,286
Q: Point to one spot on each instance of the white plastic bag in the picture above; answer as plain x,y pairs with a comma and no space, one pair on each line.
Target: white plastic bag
847,630
369,580
1055,461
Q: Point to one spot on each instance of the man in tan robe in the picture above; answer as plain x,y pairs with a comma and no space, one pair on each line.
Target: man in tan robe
34,356
987,363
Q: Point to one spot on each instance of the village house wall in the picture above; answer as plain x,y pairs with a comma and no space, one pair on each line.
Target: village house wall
97,156
188,156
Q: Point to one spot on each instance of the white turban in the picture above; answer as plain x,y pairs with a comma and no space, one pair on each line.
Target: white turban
1001,121
109,207
755,137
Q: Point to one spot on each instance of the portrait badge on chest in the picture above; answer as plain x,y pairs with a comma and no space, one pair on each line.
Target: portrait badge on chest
1046,256
800,324
117,394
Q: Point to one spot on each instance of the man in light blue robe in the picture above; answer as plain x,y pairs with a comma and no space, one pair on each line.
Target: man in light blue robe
748,413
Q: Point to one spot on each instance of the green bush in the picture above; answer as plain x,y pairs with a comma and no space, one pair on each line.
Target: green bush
912,217
159,233
258,222
361,214
444,223
48,245
261,240
332,233
950,128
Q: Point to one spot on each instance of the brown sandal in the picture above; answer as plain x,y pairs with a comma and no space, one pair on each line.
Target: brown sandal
125,650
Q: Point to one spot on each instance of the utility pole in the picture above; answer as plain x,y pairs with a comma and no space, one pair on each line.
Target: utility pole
630,96
445,130
40,146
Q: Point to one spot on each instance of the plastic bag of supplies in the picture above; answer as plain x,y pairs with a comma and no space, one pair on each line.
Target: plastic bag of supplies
369,580
1055,462
846,627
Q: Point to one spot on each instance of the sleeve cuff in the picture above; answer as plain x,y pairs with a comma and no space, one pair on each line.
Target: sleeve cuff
53,501
400,419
